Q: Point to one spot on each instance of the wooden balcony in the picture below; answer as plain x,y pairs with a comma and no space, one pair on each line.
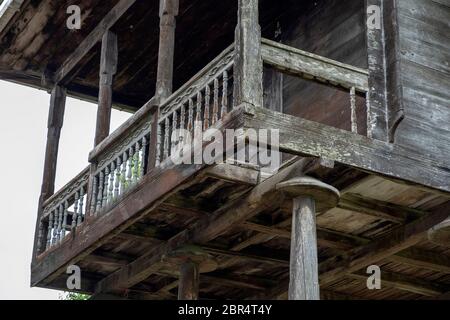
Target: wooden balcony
132,215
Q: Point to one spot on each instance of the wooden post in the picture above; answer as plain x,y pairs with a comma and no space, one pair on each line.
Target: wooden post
108,68
309,197
304,279
54,125
168,10
248,68
189,281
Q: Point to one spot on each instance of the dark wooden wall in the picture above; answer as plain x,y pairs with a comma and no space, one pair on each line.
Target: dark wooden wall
334,29
424,34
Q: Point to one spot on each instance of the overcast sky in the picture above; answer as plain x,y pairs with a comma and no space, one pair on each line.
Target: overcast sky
23,131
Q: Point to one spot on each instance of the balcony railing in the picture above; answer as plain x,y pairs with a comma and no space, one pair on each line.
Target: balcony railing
120,162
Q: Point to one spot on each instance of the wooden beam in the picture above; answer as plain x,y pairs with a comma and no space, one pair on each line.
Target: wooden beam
168,10
108,68
248,64
395,241
307,138
420,258
66,72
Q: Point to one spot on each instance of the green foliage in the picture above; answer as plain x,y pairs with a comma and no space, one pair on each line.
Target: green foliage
74,296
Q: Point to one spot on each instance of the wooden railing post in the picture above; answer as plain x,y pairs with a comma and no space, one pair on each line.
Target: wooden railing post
168,10
54,125
248,71
108,68
154,143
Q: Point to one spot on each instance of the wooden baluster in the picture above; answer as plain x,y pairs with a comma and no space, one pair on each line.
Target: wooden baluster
55,227
158,146
198,114
49,230
182,127
94,194
101,182
60,222
215,116
64,224
136,163
81,208
130,167
112,176
207,105
75,210
123,178
106,188
173,137
224,109
117,182
40,236
166,139
353,110
143,156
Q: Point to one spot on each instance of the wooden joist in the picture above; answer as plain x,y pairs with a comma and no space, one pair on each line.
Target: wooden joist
307,138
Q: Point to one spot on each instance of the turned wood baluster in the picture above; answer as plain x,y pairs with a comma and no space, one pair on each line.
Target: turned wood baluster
136,163
166,139
49,230
112,175
182,125
106,188
173,135
190,125
101,182
215,116
117,181
40,236
75,210
60,218
64,223
123,178
143,156
207,105
353,110
224,109
198,114
55,227
130,166
94,193
81,208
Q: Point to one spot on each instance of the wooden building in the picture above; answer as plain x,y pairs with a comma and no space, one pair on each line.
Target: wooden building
362,106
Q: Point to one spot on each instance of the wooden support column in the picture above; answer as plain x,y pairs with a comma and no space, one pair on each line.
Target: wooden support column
189,281
54,125
108,68
168,10
248,68
309,196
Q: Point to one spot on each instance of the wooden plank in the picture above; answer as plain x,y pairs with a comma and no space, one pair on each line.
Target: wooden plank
307,138
423,259
189,281
405,283
295,61
303,270
66,72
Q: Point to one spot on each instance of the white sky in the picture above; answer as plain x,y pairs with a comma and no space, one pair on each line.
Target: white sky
23,131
